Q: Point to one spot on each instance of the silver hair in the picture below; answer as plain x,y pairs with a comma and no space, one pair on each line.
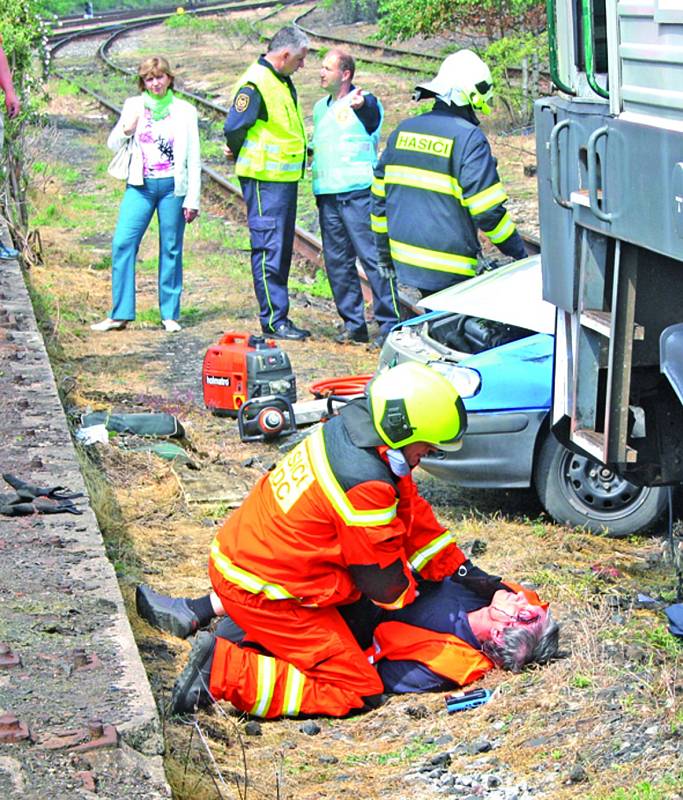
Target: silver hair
289,38
525,644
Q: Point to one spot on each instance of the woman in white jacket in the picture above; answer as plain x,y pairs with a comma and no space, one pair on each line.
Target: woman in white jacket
164,175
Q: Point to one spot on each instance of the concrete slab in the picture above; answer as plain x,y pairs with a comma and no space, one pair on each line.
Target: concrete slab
67,652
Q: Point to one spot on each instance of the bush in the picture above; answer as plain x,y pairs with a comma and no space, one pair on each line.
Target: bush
24,35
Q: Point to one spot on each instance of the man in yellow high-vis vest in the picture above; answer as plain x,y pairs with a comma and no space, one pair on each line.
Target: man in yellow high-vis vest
265,133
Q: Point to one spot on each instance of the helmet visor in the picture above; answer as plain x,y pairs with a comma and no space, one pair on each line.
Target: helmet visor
451,447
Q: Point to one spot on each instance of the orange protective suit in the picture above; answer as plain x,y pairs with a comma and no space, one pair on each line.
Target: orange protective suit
330,522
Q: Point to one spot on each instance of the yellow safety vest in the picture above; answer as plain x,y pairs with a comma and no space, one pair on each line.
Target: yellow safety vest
273,150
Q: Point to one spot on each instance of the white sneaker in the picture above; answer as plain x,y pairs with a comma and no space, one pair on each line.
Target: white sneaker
171,325
109,324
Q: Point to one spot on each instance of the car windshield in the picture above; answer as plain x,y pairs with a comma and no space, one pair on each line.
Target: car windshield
509,294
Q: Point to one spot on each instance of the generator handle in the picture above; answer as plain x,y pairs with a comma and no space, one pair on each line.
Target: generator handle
240,337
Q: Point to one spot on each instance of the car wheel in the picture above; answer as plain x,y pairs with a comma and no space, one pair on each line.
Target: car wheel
575,490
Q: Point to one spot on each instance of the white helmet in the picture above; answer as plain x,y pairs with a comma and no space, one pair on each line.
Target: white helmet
463,80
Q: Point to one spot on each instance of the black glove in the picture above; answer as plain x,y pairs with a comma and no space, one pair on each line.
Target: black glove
386,269
477,581
27,491
41,505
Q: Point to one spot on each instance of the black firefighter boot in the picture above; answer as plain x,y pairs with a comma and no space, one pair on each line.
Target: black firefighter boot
170,614
191,690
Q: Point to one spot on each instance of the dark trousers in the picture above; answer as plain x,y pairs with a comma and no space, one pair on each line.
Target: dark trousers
271,215
346,234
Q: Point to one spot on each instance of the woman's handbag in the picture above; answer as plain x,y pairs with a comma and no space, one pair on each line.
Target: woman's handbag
119,166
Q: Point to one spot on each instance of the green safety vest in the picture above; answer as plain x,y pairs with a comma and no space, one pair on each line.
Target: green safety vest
273,150
344,153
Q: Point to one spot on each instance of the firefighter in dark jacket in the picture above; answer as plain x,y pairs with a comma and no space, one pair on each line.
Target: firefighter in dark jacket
338,518
437,184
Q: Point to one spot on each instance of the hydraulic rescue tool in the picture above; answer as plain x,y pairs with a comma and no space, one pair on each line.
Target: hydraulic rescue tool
266,417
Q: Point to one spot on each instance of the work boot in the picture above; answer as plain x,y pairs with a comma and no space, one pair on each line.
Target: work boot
191,690
286,330
359,336
170,614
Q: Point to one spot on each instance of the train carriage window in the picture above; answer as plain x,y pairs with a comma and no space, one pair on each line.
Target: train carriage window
599,43
668,11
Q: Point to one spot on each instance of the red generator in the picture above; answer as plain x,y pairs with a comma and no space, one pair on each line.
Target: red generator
242,367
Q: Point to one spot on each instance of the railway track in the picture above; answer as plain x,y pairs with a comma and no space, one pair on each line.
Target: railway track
306,244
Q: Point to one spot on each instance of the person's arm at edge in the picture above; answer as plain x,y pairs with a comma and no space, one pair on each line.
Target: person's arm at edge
11,100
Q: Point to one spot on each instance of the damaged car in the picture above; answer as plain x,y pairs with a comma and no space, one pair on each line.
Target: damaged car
494,335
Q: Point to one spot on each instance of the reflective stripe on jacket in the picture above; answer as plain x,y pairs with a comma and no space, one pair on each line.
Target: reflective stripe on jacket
273,150
331,515
344,153
435,185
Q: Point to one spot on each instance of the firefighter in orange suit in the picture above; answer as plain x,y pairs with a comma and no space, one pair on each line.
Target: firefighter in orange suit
338,518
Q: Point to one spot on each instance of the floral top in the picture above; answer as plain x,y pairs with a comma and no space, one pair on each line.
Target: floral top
156,142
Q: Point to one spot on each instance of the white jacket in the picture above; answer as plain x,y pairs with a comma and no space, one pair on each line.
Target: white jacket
187,170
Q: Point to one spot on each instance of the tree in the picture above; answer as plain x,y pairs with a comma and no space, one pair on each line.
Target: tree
24,40
495,19
510,35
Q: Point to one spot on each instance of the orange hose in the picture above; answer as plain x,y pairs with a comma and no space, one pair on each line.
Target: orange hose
343,387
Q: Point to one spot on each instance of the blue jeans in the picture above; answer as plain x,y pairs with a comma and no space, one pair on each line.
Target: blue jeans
137,208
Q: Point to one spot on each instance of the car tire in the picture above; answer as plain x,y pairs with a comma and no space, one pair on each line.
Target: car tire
575,490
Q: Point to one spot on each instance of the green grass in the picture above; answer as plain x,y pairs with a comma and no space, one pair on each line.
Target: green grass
53,215
147,264
655,638
87,202
64,88
320,287
412,750
663,789
103,264
189,315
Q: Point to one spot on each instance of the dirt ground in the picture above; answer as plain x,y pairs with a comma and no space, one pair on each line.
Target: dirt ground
604,718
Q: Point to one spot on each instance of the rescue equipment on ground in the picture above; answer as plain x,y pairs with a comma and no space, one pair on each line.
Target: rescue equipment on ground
241,367
346,386
263,418
461,701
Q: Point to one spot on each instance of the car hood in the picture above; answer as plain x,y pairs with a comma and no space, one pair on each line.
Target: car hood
509,294
514,377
